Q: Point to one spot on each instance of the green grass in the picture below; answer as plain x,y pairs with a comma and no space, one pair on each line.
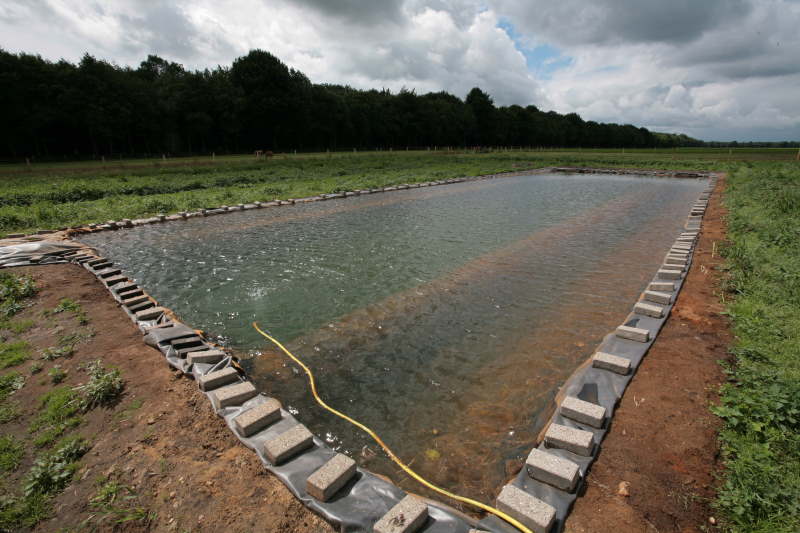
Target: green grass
17,326
11,453
9,383
760,404
14,353
115,503
72,194
14,290
59,411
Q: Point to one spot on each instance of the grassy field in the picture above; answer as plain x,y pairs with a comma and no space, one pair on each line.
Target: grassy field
51,196
760,404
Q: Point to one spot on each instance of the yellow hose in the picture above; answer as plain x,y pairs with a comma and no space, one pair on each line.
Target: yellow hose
383,445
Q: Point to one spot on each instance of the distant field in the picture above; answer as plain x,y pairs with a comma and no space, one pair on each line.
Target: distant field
53,195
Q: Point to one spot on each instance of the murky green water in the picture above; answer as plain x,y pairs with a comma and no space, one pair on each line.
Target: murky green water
445,318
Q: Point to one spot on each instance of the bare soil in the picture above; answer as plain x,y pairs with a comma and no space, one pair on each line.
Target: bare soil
162,440
663,444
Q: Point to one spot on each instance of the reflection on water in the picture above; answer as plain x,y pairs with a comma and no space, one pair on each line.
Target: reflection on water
443,318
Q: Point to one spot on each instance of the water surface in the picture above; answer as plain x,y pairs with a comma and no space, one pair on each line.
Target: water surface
445,318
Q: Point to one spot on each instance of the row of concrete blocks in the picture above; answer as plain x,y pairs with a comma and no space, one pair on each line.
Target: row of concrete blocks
562,473
226,387
210,211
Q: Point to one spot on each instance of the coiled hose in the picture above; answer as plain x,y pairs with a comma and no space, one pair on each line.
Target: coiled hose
497,512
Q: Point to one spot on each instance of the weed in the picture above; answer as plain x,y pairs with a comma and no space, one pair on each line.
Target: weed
9,383
67,304
13,353
51,473
36,367
66,345
13,291
59,410
117,503
103,388
17,326
57,374
11,453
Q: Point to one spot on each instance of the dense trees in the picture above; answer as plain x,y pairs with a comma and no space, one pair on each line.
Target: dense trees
95,108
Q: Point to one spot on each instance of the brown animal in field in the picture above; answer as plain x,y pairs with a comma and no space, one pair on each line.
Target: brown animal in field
262,153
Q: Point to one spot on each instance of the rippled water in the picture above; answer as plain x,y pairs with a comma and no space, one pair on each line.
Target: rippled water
445,318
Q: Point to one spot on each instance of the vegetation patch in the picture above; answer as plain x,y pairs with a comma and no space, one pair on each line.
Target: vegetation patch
11,453
9,383
114,503
760,404
104,387
14,290
59,410
14,353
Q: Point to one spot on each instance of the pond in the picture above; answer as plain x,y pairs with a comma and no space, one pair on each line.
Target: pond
445,318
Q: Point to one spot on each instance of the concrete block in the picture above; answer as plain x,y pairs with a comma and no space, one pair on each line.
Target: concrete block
662,286
531,511
254,420
655,311
669,273
663,298
123,288
406,517
108,272
614,363
584,412
331,477
232,395
634,334
218,378
150,314
288,444
573,440
205,356
553,470
147,305
101,266
136,300
115,280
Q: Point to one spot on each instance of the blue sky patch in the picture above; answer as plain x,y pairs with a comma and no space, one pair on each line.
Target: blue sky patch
542,59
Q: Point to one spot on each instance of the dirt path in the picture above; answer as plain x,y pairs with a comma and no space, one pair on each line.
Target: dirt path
176,458
663,437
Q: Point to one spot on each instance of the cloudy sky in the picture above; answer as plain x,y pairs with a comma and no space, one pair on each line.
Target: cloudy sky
714,69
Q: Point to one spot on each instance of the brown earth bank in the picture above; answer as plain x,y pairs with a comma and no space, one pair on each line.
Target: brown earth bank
180,466
655,470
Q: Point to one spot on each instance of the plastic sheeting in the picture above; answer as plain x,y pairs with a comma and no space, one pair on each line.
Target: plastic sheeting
37,253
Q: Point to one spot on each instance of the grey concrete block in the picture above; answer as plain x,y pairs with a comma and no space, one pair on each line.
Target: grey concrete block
288,444
257,418
531,511
108,272
218,378
669,273
136,300
642,308
587,413
205,356
331,477
634,334
663,298
115,280
662,286
150,314
573,440
614,363
553,470
232,395
406,517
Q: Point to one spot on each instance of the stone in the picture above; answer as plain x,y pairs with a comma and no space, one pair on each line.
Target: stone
142,307
218,378
584,412
406,517
288,444
136,300
633,334
97,261
257,418
664,298
655,311
115,280
535,514
662,286
232,395
668,273
150,314
553,470
614,363
331,477
205,356
577,441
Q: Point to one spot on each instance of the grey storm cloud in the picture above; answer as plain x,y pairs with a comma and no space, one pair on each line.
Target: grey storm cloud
358,11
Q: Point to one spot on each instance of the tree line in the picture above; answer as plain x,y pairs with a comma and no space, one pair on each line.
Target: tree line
95,108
